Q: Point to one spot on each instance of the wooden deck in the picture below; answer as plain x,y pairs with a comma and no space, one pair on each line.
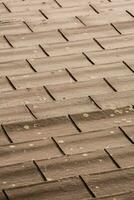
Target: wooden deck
66,99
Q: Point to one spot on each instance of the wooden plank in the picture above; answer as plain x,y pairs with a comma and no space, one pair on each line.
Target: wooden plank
113,5
116,41
92,141
59,62
22,16
100,71
105,7
75,165
71,47
125,27
14,68
22,97
19,175
26,6
117,3
123,156
63,108
7,55
73,3
13,28
124,83
54,24
23,152
67,12
113,55
89,32
39,129
104,119
127,196
15,114
111,183
71,188
114,101
40,79
31,39
79,89
105,18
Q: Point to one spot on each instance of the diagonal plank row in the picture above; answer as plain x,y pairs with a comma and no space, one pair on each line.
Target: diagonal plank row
66,99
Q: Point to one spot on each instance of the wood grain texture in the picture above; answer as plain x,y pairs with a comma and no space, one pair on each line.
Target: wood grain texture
66,99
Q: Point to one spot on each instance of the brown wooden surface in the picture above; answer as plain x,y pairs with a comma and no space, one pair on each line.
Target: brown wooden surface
66,99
